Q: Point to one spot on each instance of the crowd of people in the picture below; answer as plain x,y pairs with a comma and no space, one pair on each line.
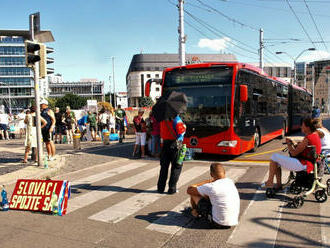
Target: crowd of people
59,127
217,198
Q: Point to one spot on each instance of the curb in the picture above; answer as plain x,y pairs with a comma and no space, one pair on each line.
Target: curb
33,172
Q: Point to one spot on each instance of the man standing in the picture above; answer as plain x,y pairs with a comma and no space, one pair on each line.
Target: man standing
59,126
120,115
4,125
47,131
172,133
91,119
216,199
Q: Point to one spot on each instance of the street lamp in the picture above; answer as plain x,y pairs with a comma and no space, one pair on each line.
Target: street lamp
9,96
295,60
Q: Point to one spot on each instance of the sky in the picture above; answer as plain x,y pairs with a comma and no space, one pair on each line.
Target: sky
89,33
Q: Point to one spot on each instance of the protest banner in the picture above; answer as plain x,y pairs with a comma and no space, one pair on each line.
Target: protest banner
36,195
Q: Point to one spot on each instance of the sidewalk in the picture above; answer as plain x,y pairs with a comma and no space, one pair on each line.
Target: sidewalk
34,172
11,154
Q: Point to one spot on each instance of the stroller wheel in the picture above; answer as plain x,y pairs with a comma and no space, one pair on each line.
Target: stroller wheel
294,188
328,187
320,195
298,201
270,193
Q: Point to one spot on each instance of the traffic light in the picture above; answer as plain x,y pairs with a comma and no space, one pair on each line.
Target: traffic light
30,57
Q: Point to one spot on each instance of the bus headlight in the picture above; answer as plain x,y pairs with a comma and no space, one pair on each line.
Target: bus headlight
227,143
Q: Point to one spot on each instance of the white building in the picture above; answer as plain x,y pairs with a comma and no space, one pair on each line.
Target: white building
144,67
121,99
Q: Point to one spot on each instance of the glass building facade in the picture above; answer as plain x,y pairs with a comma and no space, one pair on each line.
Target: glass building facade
16,80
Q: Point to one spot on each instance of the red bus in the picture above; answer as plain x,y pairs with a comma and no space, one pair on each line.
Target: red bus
235,107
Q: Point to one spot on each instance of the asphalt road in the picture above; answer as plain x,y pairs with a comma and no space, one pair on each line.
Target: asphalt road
114,204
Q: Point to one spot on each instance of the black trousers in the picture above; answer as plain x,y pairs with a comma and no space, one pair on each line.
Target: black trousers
168,156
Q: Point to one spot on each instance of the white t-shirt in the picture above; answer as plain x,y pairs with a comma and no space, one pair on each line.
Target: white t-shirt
325,141
4,119
224,199
103,118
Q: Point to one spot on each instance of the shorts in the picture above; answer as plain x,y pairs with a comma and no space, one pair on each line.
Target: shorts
46,135
3,127
59,129
140,139
92,128
204,208
291,164
120,126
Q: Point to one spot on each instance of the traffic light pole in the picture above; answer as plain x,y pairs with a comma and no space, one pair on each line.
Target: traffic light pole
37,99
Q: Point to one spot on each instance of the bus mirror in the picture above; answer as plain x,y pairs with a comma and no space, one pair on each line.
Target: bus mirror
147,88
243,93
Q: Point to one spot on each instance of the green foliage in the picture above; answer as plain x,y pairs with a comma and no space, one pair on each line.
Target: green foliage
52,103
146,102
74,101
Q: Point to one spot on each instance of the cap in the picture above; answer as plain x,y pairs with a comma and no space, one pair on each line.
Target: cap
44,101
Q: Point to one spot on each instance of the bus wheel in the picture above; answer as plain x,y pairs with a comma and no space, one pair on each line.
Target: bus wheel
256,140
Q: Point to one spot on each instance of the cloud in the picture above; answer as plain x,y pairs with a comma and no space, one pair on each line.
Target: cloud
214,45
314,56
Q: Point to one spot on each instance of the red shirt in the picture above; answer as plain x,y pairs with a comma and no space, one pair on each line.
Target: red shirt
155,126
314,140
168,133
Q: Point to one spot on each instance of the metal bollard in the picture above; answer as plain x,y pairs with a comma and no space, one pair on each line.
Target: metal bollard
106,140
76,141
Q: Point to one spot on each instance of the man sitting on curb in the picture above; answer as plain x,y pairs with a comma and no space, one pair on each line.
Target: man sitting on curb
217,199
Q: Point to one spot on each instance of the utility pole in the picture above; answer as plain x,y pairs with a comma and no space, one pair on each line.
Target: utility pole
313,84
9,99
261,50
37,97
182,38
110,90
113,80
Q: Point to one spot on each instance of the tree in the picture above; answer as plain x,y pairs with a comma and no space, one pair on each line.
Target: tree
74,101
146,102
52,103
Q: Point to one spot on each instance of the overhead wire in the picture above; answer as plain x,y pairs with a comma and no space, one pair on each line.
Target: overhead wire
228,17
316,27
302,26
207,36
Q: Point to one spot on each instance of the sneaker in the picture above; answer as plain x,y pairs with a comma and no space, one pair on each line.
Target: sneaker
51,158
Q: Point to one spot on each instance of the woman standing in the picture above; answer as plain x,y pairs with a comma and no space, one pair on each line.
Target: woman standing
31,131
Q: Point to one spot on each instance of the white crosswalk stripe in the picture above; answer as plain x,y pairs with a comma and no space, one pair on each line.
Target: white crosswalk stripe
109,173
103,192
120,211
261,220
174,220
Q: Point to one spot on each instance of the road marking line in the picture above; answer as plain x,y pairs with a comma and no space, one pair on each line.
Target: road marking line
107,174
174,221
108,190
135,203
91,168
260,222
325,227
253,155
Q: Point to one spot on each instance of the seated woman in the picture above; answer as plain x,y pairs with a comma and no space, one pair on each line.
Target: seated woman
324,135
279,161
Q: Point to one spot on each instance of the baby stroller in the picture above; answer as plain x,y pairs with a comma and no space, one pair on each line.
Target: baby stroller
303,184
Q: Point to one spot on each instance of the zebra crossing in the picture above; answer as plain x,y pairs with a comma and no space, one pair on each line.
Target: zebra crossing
259,221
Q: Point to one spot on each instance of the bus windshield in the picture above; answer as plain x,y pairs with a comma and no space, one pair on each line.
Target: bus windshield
208,100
